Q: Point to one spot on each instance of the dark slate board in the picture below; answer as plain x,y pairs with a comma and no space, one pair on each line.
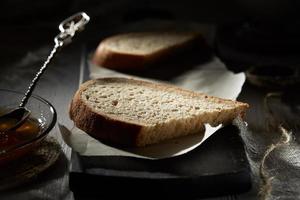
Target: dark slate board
218,167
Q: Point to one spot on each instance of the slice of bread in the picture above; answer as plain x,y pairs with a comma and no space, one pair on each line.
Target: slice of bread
132,112
137,50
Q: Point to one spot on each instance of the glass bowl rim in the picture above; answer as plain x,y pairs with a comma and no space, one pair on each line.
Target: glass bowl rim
43,133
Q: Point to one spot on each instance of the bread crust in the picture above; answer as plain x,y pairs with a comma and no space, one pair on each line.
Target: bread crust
99,126
115,60
105,57
119,131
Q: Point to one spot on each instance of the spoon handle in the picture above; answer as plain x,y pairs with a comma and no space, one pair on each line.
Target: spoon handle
38,75
68,28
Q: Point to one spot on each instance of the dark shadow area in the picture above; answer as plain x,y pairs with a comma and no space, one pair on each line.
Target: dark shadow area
218,167
55,171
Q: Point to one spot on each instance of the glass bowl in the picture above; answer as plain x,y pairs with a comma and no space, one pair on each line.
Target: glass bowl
43,114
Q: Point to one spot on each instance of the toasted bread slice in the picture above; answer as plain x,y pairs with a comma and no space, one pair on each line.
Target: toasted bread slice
137,50
132,112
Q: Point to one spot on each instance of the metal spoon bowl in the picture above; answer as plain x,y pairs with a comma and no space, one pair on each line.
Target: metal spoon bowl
14,119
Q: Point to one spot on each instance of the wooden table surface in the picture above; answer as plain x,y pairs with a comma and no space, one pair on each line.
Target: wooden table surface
57,85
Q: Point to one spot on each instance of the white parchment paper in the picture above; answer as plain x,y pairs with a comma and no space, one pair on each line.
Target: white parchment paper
212,78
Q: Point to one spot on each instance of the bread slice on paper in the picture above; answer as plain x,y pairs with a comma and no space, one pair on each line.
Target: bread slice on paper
138,50
137,113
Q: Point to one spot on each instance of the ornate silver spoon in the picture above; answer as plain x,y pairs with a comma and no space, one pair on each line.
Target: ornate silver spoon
68,29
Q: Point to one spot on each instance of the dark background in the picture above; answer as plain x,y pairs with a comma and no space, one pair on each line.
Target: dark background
247,32
268,26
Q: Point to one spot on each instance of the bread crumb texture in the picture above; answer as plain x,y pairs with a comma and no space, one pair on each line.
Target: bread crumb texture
162,111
